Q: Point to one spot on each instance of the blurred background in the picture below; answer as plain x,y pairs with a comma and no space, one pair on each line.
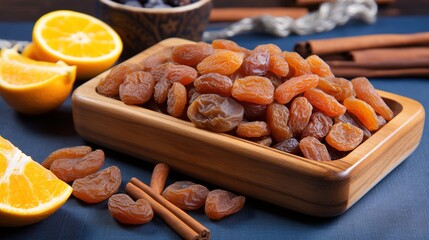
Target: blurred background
31,10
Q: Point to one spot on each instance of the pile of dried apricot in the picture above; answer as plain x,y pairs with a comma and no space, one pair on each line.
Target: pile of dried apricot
266,95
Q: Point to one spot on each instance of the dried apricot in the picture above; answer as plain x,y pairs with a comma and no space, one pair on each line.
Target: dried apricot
294,86
98,186
347,118
253,111
256,63
297,65
224,62
318,66
324,102
313,149
70,169
191,54
229,45
265,141
221,203
109,85
176,73
124,209
277,118
344,136
176,100
216,113
253,129
137,88
366,92
254,89
157,59
318,126
160,90
363,111
67,152
275,80
299,115
290,145
340,88
214,83
186,195
278,65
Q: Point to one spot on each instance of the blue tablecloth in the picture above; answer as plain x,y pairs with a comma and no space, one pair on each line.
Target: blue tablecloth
396,208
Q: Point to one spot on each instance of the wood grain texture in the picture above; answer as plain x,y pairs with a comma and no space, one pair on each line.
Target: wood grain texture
303,185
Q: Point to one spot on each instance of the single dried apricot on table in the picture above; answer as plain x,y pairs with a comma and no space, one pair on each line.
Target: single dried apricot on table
67,152
70,169
221,203
98,186
186,195
124,209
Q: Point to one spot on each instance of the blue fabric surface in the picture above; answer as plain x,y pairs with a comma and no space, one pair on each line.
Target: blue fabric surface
396,208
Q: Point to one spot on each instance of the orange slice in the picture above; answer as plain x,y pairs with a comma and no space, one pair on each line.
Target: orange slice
28,191
34,87
77,39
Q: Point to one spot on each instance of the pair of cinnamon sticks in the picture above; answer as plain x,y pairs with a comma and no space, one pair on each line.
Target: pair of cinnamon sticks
379,55
186,226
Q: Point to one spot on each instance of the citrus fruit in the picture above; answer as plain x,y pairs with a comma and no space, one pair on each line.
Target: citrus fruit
76,39
28,191
29,51
34,87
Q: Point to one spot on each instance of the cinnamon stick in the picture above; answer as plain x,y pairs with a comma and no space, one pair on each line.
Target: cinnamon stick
406,56
236,14
314,2
172,220
204,233
352,72
345,44
159,177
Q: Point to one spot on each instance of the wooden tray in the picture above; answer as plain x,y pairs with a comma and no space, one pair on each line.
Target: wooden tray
307,186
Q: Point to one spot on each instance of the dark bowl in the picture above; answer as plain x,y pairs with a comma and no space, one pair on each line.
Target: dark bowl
140,28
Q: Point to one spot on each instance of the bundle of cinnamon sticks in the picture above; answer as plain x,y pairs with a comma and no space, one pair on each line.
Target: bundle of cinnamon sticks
380,55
